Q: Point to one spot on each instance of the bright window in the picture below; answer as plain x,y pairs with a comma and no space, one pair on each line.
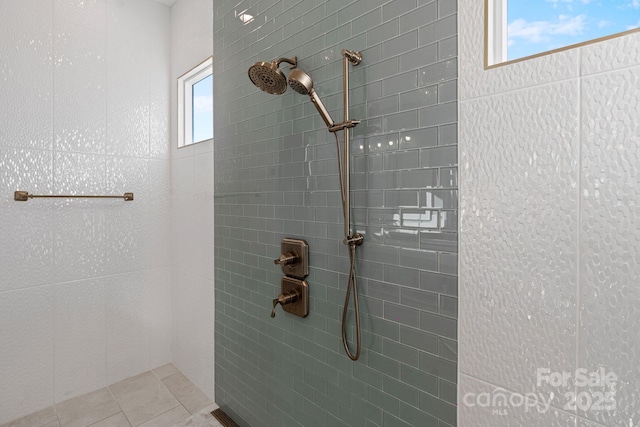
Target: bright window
195,104
518,29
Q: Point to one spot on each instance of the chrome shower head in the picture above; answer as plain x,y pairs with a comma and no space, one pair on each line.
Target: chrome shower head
302,83
268,77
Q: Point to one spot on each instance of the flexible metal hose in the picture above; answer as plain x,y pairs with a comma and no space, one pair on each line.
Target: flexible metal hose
351,286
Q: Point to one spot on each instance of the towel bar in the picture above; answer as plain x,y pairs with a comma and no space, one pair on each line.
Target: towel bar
23,196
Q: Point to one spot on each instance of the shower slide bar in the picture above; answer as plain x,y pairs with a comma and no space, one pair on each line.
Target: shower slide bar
23,196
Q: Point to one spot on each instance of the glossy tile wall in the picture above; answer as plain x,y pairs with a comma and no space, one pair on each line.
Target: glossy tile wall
276,176
192,209
85,294
548,149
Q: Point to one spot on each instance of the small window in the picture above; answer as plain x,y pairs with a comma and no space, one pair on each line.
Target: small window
520,29
195,104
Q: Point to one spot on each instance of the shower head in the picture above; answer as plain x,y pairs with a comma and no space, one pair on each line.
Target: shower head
268,77
302,83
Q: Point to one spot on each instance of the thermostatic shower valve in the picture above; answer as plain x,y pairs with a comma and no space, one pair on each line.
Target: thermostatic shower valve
294,258
294,262
294,297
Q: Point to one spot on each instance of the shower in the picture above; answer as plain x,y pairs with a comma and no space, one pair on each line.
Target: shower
302,83
268,77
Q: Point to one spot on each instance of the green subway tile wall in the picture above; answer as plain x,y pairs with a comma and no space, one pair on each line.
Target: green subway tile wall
276,176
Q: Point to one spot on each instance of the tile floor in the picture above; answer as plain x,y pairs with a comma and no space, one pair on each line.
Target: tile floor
162,397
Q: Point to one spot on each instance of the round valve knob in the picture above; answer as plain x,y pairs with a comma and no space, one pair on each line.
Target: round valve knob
286,259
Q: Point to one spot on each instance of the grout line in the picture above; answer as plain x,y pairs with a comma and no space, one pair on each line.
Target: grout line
518,89
118,403
612,70
578,76
165,412
171,392
111,275
112,415
579,225
52,184
105,319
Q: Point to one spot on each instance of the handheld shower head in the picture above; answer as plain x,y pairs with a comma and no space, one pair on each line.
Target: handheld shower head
268,77
302,83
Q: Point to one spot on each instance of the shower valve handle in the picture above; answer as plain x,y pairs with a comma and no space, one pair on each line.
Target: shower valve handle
294,258
286,259
287,297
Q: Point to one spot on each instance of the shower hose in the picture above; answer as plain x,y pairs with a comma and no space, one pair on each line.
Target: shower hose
352,285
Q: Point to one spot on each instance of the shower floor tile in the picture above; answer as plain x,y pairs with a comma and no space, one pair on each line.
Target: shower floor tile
46,417
162,397
87,409
189,396
118,420
143,397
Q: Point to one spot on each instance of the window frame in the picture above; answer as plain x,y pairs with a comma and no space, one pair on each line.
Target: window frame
185,101
495,48
495,22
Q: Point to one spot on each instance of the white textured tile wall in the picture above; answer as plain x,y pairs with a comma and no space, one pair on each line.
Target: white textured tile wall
518,230
27,55
610,235
80,98
138,319
548,230
85,286
80,337
27,351
476,410
192,209
193,319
